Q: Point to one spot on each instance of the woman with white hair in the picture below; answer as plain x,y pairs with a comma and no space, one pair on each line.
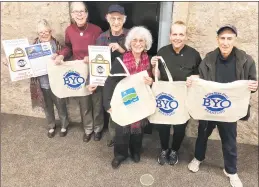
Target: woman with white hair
41,94
78,36
137,42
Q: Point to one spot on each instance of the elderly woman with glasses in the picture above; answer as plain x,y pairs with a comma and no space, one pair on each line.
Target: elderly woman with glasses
41,94
78,36
136,59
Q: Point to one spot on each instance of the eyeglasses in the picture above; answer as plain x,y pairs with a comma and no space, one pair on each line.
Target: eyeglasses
113,19
43,33
141,41
79,12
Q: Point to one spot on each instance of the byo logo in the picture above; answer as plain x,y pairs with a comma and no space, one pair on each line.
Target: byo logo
100,69
166,104
21,63
216,102
73,80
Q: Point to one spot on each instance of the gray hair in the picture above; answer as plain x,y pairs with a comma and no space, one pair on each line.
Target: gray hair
72,4
43,23
141,32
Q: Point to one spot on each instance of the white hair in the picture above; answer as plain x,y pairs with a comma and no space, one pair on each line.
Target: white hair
43,23
72,5
139,32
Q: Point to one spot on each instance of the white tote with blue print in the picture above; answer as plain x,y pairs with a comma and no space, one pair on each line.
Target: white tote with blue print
68,79
170,98
225,102
132,99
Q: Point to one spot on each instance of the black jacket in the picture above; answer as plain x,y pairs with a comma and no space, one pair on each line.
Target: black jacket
245,66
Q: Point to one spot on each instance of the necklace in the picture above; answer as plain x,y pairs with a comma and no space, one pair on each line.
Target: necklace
82,32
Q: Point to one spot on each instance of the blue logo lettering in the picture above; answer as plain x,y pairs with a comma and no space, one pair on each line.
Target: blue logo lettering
129,96
216,103
73,80
166,104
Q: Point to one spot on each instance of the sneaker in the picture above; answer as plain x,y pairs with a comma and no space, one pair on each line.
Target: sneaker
51,133
234,179
162,158
63,132
173,158
194,165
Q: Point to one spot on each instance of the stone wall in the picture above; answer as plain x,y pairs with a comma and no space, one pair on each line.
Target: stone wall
203,19
18,20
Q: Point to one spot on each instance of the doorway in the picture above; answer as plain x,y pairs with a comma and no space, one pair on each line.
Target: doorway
138,13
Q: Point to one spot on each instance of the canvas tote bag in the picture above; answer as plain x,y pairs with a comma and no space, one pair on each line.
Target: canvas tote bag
225,102
170,99
132,99
68,79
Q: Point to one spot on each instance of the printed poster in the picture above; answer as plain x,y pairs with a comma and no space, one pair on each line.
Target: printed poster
18,62
39,55
99,64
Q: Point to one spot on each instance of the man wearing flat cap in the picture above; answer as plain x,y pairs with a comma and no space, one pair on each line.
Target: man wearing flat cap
225,64
115,39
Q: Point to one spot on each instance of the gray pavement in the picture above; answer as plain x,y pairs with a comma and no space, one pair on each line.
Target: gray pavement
30,159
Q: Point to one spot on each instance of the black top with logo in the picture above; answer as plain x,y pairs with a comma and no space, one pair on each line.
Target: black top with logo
181,65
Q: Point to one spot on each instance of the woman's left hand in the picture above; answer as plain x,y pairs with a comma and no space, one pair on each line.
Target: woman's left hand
148,80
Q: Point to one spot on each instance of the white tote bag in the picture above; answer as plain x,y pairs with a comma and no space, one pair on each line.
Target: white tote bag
225,102
132,99
170,99
68,79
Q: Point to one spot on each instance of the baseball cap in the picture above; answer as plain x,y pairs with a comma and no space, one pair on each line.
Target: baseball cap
116,8
227,26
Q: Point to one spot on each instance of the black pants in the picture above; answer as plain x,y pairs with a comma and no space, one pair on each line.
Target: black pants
227,133
125,141
178,136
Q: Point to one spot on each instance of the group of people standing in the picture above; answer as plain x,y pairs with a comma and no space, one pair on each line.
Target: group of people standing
225,64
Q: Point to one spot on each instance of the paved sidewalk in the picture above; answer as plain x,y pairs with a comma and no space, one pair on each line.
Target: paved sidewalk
30,159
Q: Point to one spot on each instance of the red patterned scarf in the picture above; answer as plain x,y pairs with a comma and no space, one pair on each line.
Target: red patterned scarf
130,62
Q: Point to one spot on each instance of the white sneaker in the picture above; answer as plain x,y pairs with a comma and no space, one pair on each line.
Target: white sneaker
194,165
234,179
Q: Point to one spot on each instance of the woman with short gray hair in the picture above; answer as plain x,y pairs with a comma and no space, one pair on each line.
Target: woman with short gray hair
138,41
41,94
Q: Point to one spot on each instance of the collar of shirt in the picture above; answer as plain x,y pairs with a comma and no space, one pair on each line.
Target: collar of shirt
108,34
180,52
229,58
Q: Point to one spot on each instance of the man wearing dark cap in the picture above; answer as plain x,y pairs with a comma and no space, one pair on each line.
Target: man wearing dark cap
115,39
225,64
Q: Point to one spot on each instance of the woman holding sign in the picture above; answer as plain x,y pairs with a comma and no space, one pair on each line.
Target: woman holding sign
41,94
78,36
135,60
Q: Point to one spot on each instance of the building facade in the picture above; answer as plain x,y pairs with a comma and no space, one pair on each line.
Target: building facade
18,20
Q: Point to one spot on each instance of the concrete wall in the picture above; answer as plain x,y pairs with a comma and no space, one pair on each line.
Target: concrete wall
18,20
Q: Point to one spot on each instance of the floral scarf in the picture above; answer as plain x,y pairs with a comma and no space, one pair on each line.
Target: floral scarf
144,64
37,99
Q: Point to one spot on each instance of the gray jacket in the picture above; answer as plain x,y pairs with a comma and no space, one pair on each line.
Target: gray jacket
245,66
